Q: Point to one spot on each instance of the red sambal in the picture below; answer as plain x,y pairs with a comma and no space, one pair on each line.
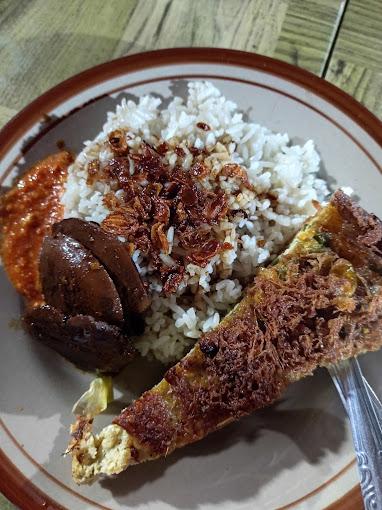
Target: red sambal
27,213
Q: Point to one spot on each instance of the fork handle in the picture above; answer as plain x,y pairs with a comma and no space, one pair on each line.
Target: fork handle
366,429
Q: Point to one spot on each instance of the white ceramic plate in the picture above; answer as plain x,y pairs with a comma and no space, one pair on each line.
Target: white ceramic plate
296,455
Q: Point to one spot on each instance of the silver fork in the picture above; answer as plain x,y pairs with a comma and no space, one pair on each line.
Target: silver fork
365,414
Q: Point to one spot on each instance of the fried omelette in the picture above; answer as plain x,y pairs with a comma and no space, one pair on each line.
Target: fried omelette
318,303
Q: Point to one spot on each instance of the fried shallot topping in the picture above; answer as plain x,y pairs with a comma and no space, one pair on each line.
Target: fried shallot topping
160,203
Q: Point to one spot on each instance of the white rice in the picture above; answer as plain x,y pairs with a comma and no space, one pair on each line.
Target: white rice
257,232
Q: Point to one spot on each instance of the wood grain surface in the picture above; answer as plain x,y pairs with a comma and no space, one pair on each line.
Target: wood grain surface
356,62
42,42
308,33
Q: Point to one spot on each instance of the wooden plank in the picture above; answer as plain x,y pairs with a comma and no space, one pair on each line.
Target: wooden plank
43,42
356,63
5,504
6,114
246,25
298,31
308,32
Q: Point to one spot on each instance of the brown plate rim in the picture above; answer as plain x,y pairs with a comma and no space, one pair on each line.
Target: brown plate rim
20,490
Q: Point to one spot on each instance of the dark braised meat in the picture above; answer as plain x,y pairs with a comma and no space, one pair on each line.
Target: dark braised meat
114,256
90,344
74,282
94,297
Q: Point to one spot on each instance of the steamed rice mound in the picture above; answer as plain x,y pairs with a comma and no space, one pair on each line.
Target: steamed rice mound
268,187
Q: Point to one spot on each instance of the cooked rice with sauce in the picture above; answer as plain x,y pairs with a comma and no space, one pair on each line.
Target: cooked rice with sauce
200,197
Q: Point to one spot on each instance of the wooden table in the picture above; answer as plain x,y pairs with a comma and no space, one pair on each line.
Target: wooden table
43,42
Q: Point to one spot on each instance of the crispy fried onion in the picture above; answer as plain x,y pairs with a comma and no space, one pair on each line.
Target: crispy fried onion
157,198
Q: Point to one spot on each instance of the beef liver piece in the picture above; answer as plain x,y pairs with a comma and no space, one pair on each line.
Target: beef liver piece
89,344
74,282
113,254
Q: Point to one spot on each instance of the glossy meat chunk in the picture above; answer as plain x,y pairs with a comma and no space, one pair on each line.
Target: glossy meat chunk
113,254
86,342
74,282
